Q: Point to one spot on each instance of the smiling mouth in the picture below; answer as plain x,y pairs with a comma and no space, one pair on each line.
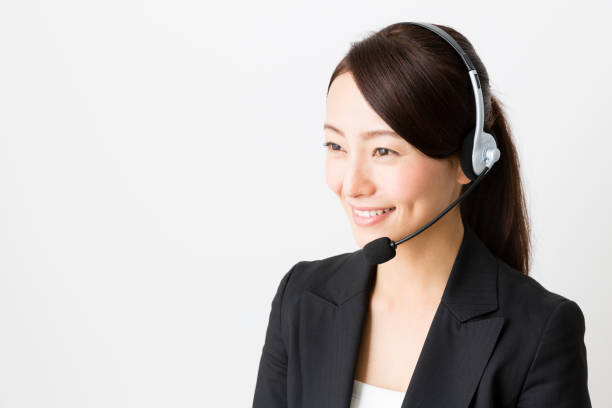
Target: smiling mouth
367,218
372,213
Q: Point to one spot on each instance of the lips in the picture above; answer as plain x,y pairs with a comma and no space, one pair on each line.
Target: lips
367,221
370,208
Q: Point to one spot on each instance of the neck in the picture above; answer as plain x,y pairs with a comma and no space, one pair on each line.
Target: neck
417,275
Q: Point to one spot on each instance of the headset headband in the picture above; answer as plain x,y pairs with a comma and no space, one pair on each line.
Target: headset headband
483,144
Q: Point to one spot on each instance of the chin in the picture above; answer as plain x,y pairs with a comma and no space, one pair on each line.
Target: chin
362,239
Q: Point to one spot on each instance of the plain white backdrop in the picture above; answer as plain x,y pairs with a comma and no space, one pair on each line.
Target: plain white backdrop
161,168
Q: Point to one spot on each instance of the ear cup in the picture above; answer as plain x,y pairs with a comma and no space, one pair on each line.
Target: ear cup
466,155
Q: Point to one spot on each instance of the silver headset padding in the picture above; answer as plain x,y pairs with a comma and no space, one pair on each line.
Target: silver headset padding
485,152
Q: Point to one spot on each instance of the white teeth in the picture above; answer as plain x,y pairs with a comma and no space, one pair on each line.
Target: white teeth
372,213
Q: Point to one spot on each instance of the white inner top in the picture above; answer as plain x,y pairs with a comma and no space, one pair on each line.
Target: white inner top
370,396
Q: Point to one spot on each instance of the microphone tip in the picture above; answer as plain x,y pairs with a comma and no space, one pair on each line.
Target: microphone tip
379,251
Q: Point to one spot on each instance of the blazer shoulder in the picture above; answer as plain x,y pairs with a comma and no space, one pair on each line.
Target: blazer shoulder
306,274
523,295
309,273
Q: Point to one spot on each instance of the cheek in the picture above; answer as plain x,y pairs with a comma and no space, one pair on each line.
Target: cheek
333,175
416,180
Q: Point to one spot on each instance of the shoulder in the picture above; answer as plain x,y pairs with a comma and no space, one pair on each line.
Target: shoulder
525,299
306,274
544,339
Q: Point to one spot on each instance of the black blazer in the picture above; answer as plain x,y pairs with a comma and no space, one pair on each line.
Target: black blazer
498,338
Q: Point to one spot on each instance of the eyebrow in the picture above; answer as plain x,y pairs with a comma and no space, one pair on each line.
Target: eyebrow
368,134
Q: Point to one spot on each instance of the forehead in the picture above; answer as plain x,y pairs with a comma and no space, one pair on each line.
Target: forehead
348,110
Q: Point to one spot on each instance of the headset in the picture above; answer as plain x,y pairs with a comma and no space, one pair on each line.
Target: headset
479,153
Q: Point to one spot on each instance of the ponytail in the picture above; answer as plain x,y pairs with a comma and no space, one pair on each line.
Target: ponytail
497,210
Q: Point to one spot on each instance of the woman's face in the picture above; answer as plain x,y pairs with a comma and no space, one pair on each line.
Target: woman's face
381,170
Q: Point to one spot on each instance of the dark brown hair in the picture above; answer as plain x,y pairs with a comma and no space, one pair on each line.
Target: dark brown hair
417,83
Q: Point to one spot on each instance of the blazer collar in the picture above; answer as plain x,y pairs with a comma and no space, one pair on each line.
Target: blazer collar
471,289
456,348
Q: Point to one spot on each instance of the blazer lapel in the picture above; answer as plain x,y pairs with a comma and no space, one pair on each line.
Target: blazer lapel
456,349
331,324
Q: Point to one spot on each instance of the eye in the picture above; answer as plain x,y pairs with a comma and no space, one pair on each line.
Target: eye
386,150
332,145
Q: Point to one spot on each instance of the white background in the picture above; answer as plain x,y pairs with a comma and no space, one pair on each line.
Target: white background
161,168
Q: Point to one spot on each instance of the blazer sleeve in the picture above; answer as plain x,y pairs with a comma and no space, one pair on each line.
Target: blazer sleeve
557,376
271,385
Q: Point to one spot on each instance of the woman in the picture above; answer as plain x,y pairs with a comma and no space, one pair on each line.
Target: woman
452,319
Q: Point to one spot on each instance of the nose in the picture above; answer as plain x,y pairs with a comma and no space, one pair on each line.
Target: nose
357,180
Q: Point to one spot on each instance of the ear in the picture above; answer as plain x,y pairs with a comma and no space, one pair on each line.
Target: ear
461,177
